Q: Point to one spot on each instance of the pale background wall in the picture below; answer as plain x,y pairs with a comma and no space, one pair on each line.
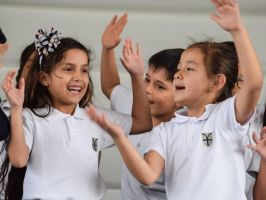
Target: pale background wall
156,25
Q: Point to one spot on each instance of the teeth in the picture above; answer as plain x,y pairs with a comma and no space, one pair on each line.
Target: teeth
74,89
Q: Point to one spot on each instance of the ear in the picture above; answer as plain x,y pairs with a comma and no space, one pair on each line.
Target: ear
44,78
218,82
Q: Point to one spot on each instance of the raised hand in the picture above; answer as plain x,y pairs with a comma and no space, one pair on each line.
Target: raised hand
227,14
132,59
260,144
114,130
112,32
15,96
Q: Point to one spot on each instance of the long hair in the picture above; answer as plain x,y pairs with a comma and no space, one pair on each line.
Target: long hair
36,94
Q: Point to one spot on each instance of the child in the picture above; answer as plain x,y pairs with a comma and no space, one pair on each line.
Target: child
202,148
13,187
57,142
159,88
251,159
259,191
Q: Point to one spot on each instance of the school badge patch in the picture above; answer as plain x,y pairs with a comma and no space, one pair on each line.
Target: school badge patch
94,144
207,139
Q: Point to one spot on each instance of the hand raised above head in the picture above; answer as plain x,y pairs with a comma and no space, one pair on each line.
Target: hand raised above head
112,32
132,59
227,14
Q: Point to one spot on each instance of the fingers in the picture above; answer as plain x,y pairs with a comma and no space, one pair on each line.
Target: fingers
255,138
7,82
113,20
121,22
217,3
253,147
263,133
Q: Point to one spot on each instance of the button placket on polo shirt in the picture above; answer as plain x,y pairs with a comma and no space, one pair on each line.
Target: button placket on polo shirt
72,130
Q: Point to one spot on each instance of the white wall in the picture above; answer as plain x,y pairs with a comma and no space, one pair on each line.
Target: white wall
153,30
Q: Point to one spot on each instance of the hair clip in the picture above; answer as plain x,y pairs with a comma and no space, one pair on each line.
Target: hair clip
46,42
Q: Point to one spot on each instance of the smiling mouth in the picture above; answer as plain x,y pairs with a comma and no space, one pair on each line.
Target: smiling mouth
74,89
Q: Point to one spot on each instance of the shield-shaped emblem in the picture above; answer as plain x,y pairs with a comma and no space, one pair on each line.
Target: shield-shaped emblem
94,144
207,139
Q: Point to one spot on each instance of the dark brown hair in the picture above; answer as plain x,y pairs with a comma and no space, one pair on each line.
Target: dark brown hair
36,94
217,62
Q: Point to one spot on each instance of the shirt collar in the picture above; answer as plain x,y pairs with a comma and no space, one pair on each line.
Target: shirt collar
55,114
181,117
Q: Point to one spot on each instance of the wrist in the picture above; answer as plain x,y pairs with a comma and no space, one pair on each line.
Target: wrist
16,110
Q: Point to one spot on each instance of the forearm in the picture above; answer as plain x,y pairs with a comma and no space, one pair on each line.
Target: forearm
109,73
18,151
253,77
140,109
259,191
136,164
249,62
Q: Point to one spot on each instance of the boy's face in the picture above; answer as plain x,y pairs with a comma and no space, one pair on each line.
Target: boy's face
160,93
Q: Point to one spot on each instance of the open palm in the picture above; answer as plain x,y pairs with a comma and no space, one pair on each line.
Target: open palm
227,14
15,96
111,34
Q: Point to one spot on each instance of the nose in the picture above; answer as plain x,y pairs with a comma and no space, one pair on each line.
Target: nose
178,75
77,76
148,88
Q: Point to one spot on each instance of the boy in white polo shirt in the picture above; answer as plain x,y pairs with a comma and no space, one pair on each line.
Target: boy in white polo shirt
159,89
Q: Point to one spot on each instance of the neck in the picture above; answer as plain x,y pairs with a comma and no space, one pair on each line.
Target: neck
156,120
67,109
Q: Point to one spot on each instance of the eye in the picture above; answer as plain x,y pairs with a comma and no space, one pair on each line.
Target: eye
160,87
68,68
146,80
85,70
189,69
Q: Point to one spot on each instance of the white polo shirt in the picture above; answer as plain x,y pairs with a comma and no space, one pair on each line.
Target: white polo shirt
132,189
203,156
63,161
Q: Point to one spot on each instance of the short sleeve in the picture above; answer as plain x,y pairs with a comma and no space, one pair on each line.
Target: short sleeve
227,115
157,141
121,99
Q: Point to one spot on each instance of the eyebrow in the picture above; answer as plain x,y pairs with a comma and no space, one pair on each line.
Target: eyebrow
67,63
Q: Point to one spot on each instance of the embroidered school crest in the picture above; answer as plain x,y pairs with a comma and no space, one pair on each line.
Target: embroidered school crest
94,144
207,139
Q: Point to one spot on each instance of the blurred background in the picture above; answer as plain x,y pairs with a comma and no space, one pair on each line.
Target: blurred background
155,24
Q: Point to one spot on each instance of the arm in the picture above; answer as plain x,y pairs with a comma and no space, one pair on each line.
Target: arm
228,18
259,191
110,39
133,62
18,151
146,170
